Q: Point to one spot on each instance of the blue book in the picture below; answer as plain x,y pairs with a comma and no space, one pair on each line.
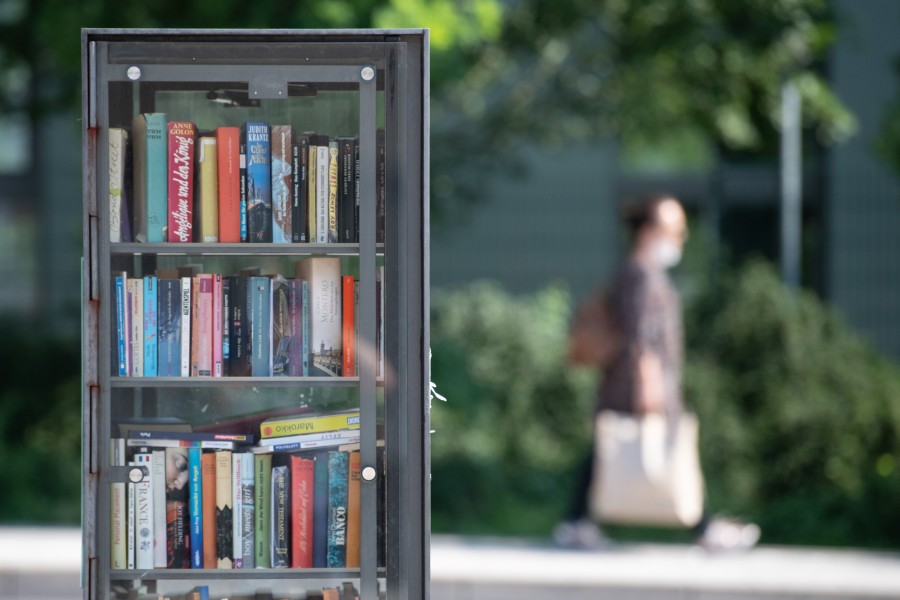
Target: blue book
337,509
259,182
203,590
121,324
320,510
196,507
151,288
157,183
243,179
168,320
259,291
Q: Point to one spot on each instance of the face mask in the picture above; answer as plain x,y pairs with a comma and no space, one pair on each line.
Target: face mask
667,253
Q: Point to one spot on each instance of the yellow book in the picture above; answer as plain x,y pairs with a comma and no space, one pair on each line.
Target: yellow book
311,424
209,190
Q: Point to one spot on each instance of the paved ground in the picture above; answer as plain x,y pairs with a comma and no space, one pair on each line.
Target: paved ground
44,564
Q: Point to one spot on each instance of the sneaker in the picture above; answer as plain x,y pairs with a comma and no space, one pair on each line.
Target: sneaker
582,534
728,534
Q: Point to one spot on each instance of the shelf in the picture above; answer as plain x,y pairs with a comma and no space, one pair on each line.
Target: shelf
215,249
250,574
216,382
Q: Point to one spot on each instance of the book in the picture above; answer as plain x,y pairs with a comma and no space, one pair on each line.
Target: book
208,189
196,507
320,510
194,436
118,510
295,313
177,513
228,156
151,327
259,183
353,510
337,509
310,140
322,189
159,508
217,369
333,190
118,148
202,325
143,533
302,480
280,516
123,329
239,332
348,327
225,326
208,476
299,156
136,341
282,184
237,514
340,436
242,173
347,437
150,190
180,179
282,332
347,190
162,443
248,510
380,185
281,427
262,465
323,275
260,303
185,327
224,512
131,523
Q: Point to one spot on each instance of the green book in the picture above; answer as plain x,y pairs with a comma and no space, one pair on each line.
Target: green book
263,472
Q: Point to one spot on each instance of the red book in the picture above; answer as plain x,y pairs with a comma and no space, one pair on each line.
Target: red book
348,367
228,141
208,482
302,511
180,144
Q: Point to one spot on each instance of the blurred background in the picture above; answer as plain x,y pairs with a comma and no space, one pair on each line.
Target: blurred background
546,114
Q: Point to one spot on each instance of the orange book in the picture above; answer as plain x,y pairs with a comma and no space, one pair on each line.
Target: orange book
228,141
353,511
208,482
302,478
348,341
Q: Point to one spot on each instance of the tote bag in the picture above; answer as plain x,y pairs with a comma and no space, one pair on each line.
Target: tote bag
646,470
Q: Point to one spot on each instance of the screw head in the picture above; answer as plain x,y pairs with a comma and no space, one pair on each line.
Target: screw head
135,475
368,473
133,73
367,73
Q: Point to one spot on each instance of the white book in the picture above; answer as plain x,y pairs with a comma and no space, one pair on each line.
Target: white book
237,464
143,539
159,509
322,159
118,144
185,326
118,510
163,443
323,275
248,512
340,434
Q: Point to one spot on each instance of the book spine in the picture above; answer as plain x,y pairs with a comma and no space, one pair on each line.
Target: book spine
323,275
130,531
262,493
151,328
320,510
208,184
282,185
118,510
159,509
356,192
118,146
302,512
295,361
353,510
305,328
260,326
217,308
322,189
348,342
196,507
208,474
242,172
379,317
229,180
156,190
122,333
333,190
355,328
225,296
224,512
347,193
337,509
180,181
380,185
236,510
169,327
248,510
340,435
298,189
139,208
144,515
136,299
239,344
259,183
312,208
157,443
195,436
314,424
195,326
185,353
177,513
281,327
280,518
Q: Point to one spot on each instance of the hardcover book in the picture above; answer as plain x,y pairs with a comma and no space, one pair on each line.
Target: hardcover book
280,516
177,513
144,514
239,334
348,343
229,173
118,510
282,184
333,190
353,510
180,181
282,332
248,510
237,514
118,149
299,156
196,507
295,346
323,275
347,190
159,508
337,509
208,475
224,512
311,140
202,326
260,302
262,465
302,481
150,189
259,183
208,184
320,510
151,328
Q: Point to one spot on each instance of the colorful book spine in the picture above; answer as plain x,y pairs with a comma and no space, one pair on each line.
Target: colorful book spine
143,533
323,274
208,474
310,139
159,508
260,292
337,509
333,234
352,438
298,191
259,183
208,192
151,328
281,327
225,296
202,326
282,184
180,181
302,481
353,510
228,156
348,341
185,353
177,512
136,342
168,327
262,465
118,147
224,510
156,189
239,333
295,346
242,161
340,436
118,527
280,516
322,189
320,510
312,424
217,308
132,522
209,445
196,507
237,514
122,331
248,509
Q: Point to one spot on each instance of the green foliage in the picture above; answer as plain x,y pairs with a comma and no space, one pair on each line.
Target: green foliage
40,427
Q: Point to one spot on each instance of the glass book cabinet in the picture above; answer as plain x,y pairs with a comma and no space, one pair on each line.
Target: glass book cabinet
255,314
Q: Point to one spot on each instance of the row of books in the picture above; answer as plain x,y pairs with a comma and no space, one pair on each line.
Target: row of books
178,324
256,183
346,591
217,503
